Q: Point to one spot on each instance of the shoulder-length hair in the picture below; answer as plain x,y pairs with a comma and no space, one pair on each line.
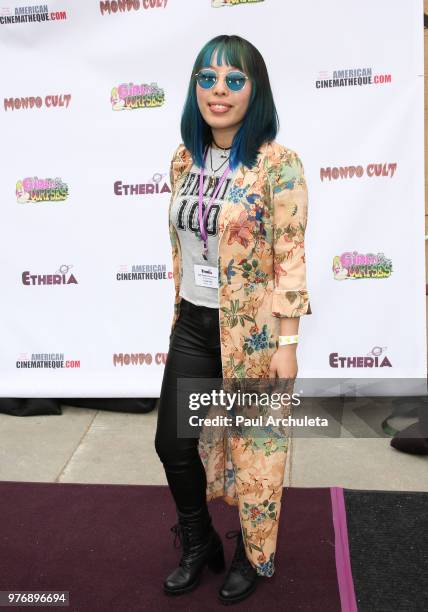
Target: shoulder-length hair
261,122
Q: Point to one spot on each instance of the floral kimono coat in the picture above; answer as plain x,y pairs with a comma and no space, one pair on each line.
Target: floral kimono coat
262,277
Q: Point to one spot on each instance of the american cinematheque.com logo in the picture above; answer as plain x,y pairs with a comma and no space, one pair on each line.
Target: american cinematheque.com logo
30,14
128,96
51,361
349,77
358,265
35,190
143,272
219,3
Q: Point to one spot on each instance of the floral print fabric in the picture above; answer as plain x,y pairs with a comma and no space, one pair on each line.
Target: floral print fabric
262,277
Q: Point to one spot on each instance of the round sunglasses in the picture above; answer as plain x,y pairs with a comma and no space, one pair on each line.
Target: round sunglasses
207,78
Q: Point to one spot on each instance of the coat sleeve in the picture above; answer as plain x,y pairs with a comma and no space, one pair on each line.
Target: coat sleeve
173,235
172,184
171,175
290,211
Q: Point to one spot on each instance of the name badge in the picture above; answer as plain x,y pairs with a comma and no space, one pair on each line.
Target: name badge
206,276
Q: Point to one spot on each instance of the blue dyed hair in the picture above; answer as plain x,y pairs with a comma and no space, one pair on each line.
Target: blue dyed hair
261,122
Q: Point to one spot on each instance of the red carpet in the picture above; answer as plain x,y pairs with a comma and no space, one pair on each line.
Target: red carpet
110,547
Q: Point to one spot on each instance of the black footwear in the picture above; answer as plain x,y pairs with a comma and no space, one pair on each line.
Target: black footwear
411,440
201,546
241,579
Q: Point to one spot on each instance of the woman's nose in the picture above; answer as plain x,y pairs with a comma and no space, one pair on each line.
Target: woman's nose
220,86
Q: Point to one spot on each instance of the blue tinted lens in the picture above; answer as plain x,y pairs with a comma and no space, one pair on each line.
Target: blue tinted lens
206,78
235,80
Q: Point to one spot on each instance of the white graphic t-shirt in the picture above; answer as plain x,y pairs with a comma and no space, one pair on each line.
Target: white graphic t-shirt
199,282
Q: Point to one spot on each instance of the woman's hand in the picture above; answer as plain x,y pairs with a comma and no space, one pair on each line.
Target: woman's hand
284,362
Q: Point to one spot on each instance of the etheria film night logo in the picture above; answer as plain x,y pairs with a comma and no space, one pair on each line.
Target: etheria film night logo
34,190
128,96
354,265
155,185
351,77
374,359
62,276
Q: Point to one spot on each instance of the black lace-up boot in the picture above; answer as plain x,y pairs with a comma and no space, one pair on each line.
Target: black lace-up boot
201,546
241,579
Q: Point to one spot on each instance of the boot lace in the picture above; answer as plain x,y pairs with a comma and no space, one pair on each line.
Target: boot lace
185,539
181,538
182,535
178,538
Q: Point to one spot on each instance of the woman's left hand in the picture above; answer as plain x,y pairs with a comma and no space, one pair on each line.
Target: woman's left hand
284,362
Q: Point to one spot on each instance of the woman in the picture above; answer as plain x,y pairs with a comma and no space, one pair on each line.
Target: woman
237,219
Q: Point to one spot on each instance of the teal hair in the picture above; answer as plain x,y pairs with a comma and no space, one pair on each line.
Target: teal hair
261,122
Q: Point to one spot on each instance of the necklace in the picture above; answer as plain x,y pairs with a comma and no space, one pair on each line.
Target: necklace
202,217
223,149
212,179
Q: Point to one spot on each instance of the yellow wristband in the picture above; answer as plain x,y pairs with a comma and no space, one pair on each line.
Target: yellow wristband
284,340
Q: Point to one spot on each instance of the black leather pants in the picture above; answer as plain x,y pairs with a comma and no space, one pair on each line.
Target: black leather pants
194,352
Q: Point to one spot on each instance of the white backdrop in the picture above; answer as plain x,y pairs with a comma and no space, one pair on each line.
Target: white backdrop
114,332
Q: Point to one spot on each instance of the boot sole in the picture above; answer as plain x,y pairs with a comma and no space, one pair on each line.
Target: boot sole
183,590
232,600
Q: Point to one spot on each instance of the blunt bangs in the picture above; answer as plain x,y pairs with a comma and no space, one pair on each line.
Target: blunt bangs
232,54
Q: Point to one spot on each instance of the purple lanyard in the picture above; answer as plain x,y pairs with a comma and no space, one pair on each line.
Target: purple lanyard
203,219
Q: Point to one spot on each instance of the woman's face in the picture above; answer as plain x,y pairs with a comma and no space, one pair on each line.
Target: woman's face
219,106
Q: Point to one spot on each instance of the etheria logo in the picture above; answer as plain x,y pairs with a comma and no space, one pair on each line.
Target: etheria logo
30,190
374,359
357,265
149,188
350,77
62,276
128,96
219,3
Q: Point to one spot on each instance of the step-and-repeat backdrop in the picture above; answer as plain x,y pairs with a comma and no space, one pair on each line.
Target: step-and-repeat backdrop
91,99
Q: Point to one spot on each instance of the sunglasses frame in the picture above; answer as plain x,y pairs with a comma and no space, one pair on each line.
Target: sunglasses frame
225,77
